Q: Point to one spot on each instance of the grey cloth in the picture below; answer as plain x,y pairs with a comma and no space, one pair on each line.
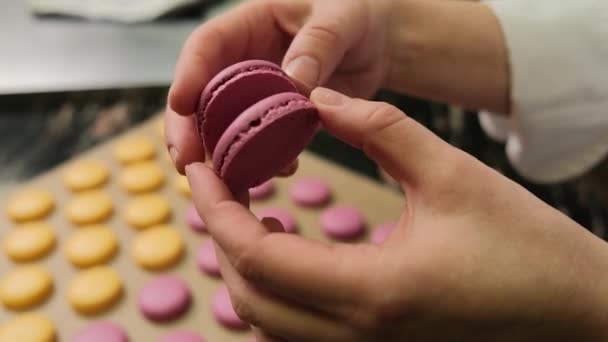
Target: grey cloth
47,54
132,11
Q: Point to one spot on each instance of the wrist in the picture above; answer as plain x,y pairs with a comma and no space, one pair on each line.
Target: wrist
449,51
595,285
580,276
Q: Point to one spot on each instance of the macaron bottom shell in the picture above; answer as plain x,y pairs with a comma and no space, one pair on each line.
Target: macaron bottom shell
264,139
232,91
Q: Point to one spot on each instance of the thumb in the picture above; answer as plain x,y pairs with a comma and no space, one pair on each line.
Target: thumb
407,150
322,42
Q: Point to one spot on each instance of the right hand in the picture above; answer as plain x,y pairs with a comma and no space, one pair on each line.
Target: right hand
474,256
339,44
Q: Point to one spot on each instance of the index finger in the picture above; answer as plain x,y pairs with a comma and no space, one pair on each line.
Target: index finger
249,31
232,226
310,272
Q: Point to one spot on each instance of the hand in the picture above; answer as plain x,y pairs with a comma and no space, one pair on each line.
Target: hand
333,42
475,256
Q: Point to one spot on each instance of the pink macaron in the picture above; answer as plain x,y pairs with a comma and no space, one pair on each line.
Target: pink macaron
182,336
310,192
381,232
224,313
103,331
287,219
253,123
194,220
206,259
164,298
342,222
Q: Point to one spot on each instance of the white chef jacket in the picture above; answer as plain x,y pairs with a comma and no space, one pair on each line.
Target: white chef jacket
558,51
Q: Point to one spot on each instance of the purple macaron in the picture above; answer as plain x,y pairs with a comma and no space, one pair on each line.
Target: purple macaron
254,123
264,139
232,91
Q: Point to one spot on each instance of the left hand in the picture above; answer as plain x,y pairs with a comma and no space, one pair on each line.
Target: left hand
475,256
343,44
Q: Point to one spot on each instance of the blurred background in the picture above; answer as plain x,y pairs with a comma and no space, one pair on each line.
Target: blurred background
74,73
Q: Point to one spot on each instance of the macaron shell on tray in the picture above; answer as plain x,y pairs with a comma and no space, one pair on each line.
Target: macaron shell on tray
377,204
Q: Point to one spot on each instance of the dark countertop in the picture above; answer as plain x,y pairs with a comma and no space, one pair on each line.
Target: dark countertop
40,131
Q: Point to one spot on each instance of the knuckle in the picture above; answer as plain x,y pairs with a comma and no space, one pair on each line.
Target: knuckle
364,314
387,308
325,34
201,33
380,307
251,263
378,312
460,163
244,309
446,190
223,208
246,265
450,177
382,117
364,320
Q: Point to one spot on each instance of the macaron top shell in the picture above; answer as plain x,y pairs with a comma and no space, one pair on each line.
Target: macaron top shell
232,91
264,139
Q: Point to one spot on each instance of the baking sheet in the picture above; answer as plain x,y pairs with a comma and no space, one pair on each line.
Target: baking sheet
378,203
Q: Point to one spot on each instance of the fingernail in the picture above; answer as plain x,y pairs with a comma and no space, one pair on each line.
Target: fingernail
174,154
187,169
305,70
327,97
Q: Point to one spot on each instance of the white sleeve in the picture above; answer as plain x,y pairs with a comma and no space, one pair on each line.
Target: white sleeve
558,53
